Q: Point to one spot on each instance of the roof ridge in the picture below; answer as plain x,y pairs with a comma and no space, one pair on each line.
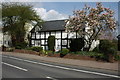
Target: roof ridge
56,20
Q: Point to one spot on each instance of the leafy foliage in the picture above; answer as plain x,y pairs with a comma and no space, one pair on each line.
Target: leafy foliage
51,43
21,45
90,23
38,49
76,44
117,57
64,51
14,18
107,47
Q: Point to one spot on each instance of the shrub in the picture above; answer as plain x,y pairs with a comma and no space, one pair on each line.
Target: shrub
10,49
49,51
38,49
28,48
64,51
112,51
117,57
107,47
21,45
44,52
4,48
96,49
92,54
51,43
76,44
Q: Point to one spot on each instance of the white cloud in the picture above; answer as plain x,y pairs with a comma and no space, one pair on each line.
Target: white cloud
50,15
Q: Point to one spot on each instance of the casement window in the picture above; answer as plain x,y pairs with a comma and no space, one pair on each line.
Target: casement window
37,35
37,43
47,35
53,33
58,34
42,42
42,34
33,35
32,41
64,35
64,42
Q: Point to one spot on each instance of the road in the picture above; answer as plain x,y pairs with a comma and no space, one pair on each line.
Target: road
17,67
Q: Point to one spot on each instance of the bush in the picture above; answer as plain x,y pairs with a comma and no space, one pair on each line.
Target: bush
51,43
96,49
4,48
107,47
117,57
76,44
28,48
49,51
21,45
96,55
37,49
112,51
64,51
44,52
10,49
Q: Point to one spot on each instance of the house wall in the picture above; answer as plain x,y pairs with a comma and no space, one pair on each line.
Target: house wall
7,40
62,39
1,39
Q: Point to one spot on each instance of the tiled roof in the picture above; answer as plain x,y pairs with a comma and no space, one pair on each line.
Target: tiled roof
53,25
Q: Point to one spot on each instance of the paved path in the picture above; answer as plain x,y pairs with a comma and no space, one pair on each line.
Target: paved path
86,63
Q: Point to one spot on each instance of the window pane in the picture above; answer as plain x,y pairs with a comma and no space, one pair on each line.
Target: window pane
38,36
42,42
64,42
33,35
42,35
53,33
64,35
32,41
72,35
47,34
58,34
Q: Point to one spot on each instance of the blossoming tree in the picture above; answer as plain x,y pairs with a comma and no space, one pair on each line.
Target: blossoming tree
89,22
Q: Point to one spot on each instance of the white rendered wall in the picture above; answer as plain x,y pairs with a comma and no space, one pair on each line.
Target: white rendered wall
7,39
1,39
94,44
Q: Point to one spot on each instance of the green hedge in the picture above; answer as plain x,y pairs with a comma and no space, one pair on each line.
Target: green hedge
76,44
64,51
117,57
51,43
38,49
21,45
107,47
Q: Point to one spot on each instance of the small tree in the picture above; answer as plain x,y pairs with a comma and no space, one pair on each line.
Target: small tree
89,23
51,43
14,18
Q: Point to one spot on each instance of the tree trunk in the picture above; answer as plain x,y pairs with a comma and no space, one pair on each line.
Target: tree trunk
13,39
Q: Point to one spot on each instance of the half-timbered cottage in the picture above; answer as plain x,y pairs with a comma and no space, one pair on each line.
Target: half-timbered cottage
56,28
39,35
